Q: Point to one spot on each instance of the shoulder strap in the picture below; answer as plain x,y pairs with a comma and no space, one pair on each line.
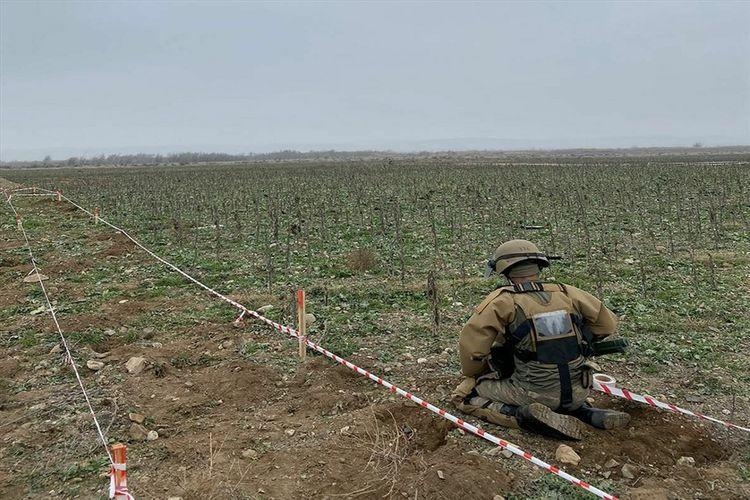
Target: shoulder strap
534,286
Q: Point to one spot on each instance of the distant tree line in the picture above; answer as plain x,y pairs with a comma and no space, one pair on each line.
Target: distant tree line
696,153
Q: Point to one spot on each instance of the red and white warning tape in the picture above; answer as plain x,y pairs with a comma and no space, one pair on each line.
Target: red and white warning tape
613,390
64,341
388,385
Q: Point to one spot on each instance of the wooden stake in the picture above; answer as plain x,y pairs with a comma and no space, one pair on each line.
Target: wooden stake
59,196
301,326
96,215
18,222
119,473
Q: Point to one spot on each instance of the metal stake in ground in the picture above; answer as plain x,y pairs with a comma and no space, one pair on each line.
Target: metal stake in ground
301,327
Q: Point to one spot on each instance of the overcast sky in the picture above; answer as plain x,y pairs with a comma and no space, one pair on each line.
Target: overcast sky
80,78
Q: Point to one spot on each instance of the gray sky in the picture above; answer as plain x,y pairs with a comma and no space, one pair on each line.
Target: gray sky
90,77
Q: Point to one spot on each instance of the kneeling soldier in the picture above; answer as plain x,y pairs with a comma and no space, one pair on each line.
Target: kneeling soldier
525,352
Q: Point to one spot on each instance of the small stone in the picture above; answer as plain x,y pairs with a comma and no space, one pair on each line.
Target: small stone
94,365
422,361
138,432
135,365
660,248
33,278
250,453
690,461
109,332
265,308
189,384
56,349
611,463
628,471
152,436
309,319
136,417
174,498
227,344
148,332
566,455
289,432
344,430
494,451
440,474
606,474
507,453
498,497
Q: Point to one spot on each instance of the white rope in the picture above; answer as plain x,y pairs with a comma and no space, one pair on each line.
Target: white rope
62,336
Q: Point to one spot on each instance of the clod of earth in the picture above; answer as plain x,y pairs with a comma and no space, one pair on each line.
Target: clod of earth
628,471
566,455
33,278
136,417
135,365
138,432
94,365
689,461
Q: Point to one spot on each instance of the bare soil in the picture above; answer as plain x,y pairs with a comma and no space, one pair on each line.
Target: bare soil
235,422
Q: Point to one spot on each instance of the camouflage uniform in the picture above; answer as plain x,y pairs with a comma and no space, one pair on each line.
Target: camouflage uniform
528,346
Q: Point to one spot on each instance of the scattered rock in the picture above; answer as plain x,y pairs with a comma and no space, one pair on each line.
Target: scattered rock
606,474
440,474
566,455
660,248
99,355
422,361
686,461
250,453
507,453
611,463
174,498
152,436
33,278
135,365
494,451
344,430
94,365
138,432
695,399
109,332
309,319
265,308
289,432
56,349
136,417
227,344
189,384
628,471
148,332
498,497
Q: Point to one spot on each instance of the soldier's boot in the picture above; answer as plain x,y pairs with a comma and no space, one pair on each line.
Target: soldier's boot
540,419
601,418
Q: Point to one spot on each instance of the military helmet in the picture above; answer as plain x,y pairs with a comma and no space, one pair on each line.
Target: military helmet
515,252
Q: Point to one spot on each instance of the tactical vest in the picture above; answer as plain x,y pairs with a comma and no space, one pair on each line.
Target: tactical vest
548,330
